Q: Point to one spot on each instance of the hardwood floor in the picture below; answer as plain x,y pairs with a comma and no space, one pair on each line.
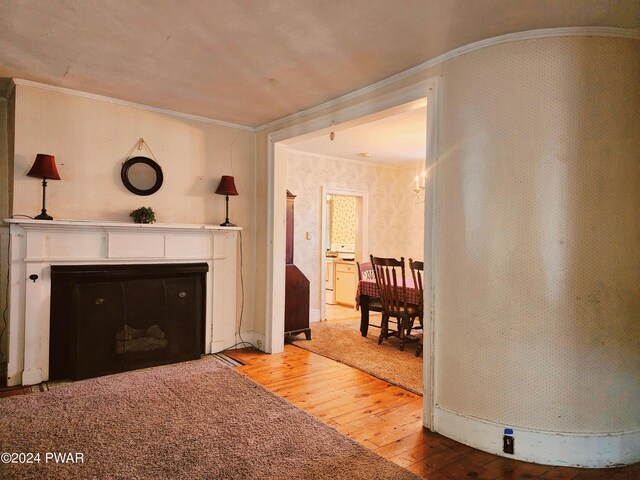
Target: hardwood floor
388,419
340,312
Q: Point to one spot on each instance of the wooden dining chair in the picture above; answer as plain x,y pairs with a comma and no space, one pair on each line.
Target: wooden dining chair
365,272
417,271
393,297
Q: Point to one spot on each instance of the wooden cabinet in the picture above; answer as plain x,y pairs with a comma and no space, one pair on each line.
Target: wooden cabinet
346,283
296,298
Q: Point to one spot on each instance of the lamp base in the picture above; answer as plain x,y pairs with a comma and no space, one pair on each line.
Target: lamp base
43,216
228,224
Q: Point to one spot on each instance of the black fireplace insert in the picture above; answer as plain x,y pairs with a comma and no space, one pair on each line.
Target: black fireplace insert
111,318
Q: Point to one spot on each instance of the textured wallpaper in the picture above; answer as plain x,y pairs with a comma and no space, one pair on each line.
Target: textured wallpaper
343,220
410,214
307,173
90,139
537,232
538,286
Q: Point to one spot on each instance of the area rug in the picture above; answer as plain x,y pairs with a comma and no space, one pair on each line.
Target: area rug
193,420
342,341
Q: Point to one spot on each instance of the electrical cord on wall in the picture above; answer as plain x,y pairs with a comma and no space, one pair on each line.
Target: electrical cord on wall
6,301
239,332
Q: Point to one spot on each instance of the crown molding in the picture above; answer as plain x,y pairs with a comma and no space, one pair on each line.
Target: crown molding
347,160
7,93
393,165
509,37
126,103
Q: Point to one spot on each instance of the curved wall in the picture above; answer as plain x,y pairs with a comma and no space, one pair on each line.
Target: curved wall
537,274
538,226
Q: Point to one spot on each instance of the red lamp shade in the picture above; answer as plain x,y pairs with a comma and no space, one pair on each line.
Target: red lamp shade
227,186
45,167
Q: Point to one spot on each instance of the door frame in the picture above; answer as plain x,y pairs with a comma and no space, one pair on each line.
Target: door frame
334,120
362,233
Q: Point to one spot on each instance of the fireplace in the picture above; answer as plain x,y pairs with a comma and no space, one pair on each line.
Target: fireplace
105,251
111,318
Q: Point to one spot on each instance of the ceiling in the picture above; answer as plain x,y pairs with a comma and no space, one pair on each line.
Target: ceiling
396,140
250,62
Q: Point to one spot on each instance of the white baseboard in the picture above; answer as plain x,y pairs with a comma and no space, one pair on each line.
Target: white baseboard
550,448
256,339
31,377
314,315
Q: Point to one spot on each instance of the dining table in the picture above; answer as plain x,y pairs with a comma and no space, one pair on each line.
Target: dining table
368,289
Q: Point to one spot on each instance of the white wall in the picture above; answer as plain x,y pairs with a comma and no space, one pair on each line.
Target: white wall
307,173
538,185
410,217
390,209
91,138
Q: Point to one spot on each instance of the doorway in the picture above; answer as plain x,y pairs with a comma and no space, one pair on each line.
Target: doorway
346,117
344,241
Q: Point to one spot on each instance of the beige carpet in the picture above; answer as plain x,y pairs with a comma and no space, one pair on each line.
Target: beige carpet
342,341
193,420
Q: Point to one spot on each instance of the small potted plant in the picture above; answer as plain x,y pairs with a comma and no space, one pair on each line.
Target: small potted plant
143,215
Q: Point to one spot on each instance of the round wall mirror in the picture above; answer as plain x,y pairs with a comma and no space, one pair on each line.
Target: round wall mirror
141,175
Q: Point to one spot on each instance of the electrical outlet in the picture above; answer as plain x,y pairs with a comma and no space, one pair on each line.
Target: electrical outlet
259,344
508,442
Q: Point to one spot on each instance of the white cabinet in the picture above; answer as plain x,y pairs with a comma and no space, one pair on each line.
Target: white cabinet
329,282
346,283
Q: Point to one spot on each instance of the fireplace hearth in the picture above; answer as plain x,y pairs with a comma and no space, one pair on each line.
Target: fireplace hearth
112,318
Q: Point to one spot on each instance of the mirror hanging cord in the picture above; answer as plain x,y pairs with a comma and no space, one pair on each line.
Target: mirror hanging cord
139,144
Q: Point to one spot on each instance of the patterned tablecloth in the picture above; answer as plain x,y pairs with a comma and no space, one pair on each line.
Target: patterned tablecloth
369,287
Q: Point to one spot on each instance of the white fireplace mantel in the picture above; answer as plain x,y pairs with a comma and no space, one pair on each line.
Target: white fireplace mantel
35,245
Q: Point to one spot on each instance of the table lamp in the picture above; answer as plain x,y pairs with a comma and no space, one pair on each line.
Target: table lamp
44,167
227,187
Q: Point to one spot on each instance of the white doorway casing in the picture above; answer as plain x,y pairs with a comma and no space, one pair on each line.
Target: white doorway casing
394,102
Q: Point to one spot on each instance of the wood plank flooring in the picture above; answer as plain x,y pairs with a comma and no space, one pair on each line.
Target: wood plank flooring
388,419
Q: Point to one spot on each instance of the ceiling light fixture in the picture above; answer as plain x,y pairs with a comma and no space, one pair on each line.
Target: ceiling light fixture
364,155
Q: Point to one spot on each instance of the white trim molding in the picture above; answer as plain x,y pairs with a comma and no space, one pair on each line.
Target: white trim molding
314,315
509,37
351,160
254,338
430,251
10,87
403,98
590,450
126,103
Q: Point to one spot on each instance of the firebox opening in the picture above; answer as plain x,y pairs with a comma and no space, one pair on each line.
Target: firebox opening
111,318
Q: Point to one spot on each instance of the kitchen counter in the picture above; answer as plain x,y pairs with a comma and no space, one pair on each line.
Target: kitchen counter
340,260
